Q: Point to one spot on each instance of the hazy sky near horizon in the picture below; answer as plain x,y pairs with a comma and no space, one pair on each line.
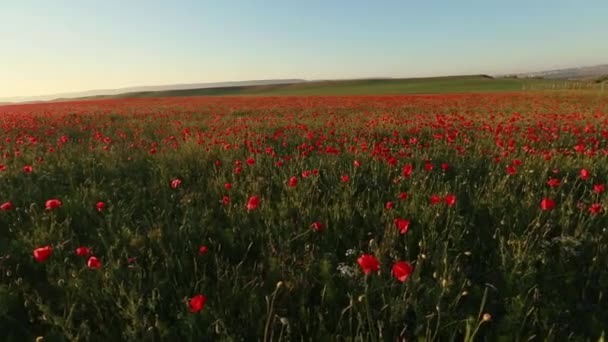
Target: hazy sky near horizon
60,46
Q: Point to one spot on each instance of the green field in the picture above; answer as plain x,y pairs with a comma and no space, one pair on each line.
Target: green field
430,85
473,217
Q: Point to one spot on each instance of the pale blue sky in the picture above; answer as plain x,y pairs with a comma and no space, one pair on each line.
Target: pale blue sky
57,46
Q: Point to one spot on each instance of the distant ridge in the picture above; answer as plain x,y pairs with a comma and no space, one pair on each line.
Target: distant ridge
370,86
106,92
359,86
581,73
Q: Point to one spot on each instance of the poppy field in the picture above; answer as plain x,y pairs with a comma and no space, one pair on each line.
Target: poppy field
353,218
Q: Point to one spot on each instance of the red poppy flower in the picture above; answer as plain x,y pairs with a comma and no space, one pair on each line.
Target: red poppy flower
250,161
345,178
93,263
253,202
83,251
42,253
436,199
317,226
225,200
599,188
357,163
402,225
238,169
428,167
228,186
28,169
176,183
585,174
445,166
547,204
52,204
305,173
511,170
407,170
6,206
293,181
450,200
202,250
553,182
595,208
403,195
197,303
402,270
368,263
389,205
100,206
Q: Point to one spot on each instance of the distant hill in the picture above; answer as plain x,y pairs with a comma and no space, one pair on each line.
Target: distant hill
98,92
387,86
368,86
581,73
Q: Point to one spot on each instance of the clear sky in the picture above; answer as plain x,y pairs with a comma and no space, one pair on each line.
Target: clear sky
54,46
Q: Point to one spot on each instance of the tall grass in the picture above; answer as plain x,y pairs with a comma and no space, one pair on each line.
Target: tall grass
493,266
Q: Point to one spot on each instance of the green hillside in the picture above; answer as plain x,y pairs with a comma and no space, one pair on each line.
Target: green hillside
431,85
